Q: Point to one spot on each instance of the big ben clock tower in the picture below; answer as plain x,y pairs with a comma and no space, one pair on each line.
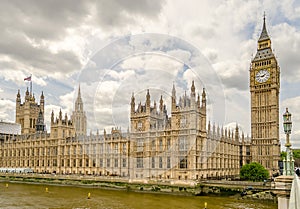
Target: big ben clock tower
264,89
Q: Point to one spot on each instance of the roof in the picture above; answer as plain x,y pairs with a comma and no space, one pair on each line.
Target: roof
263,54
264,34
10,128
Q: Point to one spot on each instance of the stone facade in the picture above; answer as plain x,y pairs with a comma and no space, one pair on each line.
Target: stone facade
178,147
27,112
264,89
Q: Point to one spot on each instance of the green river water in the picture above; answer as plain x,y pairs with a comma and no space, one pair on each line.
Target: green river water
19,195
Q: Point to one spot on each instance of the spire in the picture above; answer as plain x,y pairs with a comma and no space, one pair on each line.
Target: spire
60,115
264,34
203,98
193,89
40,126
18,100
79,94
27,97
148,100
173,94
79,103
42,96
132,103
52,117
161,104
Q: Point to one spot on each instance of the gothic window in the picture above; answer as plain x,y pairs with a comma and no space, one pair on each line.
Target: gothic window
153,144
153,162
168,143
108,149
182,143
160,162
116,163
140,145
183,162
168,162
139,162
124,162
116,148
160,145
139,125
182,122
124,149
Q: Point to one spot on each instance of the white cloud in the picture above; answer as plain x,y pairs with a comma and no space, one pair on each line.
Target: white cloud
53,43
7,107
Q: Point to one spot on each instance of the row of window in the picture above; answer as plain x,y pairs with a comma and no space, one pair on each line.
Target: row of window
68,163
140,162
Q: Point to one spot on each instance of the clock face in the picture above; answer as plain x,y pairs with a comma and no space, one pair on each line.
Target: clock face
262,76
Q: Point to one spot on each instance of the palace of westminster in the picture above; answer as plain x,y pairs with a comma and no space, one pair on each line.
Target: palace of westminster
179,146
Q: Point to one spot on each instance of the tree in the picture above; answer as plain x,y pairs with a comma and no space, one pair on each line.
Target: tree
254,172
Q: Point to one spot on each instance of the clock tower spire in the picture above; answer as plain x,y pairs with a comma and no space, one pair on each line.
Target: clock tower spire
264,89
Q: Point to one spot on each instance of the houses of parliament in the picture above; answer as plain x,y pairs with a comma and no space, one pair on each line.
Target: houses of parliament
181,145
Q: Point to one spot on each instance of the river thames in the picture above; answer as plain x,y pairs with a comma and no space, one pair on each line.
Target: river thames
20,195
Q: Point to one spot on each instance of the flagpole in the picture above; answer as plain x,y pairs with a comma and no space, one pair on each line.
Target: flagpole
30,84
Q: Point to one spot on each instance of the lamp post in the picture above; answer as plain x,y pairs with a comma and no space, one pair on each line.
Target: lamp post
288,163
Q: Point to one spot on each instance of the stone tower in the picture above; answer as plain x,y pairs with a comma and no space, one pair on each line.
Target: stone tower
27,113
264,89
78,116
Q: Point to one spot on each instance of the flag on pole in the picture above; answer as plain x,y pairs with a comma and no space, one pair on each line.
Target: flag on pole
28,78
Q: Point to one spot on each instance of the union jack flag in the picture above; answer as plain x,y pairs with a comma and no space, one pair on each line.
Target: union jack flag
27,79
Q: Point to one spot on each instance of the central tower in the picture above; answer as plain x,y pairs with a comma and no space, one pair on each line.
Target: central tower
264,89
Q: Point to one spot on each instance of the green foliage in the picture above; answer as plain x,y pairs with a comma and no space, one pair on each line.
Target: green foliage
254,172
282,155
296,154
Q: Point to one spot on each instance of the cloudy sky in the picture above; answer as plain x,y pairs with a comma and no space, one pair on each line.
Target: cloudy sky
117,47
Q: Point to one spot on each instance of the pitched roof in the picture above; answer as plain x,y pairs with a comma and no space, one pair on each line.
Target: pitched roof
10,128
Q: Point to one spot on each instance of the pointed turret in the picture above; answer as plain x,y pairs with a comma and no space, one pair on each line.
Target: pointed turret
52,117
237,133
27,97
42,101
173,98
193,90
198,101
203,98
60,115
132,103
18,99
161,104
148,101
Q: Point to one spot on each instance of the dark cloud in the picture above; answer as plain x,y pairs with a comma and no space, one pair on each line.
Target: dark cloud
42,19
21,50
29,27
